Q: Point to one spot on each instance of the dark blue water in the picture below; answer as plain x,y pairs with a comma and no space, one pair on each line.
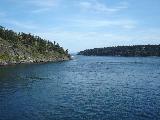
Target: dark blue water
87,88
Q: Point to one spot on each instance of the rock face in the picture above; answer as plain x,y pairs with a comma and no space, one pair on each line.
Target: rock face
24,51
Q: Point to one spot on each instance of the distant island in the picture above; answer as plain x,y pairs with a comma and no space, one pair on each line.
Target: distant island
127,51
18,48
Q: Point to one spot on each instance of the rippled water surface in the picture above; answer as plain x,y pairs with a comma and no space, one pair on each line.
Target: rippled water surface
91,88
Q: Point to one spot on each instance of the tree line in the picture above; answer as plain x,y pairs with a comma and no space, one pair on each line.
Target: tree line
128,51
28,40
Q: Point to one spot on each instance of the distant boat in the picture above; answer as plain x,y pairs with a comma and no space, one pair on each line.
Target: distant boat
72,57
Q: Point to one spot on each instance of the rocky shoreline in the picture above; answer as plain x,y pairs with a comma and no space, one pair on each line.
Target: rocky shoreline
22,48
7,63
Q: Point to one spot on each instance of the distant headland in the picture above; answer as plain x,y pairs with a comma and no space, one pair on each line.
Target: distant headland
126,51
18,48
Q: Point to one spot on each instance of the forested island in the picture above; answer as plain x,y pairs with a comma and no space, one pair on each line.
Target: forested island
19,47
127,51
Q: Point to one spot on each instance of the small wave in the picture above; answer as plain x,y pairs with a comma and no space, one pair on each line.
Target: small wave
37,78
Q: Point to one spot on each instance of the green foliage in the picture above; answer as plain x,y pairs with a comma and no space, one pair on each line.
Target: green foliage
22,47
5,56
31,42
136,50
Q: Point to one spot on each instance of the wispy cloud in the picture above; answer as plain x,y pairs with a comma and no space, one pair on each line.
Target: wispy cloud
96,6
42,5
40,10
119,23
19,24
90,23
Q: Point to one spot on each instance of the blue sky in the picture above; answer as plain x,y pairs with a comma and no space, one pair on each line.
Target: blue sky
80,24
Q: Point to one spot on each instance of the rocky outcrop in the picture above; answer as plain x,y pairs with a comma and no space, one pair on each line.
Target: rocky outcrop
24,51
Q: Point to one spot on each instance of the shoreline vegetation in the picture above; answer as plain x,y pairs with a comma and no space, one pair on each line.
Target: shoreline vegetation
124,51
18,48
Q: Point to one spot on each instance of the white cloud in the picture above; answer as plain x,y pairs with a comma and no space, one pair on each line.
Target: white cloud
122,23
96,6
42,5
37,6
